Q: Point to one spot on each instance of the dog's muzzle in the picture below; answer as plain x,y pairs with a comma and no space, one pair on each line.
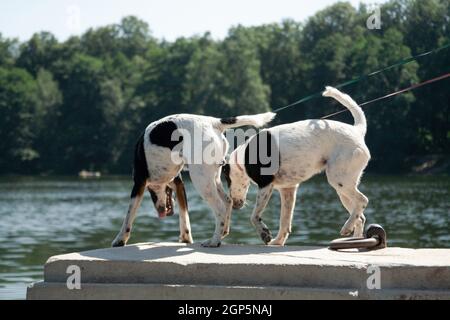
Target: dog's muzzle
238,204
166,211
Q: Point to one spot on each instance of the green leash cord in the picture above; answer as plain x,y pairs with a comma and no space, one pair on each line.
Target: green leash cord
347,83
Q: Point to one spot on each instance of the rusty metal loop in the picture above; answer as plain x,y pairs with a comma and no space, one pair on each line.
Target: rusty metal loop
375,238
353,243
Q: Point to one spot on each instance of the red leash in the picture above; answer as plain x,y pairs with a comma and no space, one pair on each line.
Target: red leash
415,86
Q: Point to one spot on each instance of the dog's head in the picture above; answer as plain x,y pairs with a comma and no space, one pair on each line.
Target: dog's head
162,199
237,179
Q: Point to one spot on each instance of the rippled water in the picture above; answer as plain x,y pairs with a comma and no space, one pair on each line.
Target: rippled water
41,217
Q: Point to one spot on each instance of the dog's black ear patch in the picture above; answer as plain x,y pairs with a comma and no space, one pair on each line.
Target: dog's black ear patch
153,196
231,120
181,193
261,146
161,135
226,174
140,168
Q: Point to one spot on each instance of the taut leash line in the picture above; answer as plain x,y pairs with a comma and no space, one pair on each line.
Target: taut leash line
398,63
415,86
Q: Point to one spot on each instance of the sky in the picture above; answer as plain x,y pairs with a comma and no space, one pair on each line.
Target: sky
168,19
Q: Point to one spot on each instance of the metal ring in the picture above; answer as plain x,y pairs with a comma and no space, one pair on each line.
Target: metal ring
354,243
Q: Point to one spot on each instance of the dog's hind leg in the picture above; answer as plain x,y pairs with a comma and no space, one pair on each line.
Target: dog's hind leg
355,223
359,224
185,225
228,203
344,175
288,197
204,180
262,199
136,199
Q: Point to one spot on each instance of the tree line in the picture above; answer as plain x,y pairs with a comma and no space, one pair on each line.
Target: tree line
82,103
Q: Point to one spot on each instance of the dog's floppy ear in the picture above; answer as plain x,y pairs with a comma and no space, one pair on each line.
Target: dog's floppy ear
226,173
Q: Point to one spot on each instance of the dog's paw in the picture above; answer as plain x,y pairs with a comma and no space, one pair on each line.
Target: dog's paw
346,231
266,235
118,243
358,233
276,242
211,243
186,238
226,232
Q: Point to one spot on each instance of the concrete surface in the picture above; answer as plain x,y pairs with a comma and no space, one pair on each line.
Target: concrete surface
178,271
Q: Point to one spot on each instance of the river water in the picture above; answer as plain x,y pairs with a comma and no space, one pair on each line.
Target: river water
42,217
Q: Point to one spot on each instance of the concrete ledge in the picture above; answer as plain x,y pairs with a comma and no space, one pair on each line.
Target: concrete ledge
178,271
57,291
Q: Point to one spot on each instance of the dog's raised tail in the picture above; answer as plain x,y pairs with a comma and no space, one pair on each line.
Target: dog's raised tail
257,120
350,104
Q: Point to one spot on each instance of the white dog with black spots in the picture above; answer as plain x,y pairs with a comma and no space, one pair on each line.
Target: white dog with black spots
301,150
156,169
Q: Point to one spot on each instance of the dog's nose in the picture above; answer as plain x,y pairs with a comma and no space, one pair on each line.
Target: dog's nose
162,212
238,204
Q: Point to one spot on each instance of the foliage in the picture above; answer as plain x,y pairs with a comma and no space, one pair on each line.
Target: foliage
82,103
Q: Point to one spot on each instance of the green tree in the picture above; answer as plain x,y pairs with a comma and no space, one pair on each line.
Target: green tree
82,103
164,78
83,117
131,37
49,112
18,107
39,52
6,51
427,27
135,37
283,64
242,88
202,89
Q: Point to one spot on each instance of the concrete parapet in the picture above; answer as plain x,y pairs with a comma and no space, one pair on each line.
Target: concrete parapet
178,271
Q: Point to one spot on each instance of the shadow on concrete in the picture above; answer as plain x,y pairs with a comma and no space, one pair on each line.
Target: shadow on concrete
139,252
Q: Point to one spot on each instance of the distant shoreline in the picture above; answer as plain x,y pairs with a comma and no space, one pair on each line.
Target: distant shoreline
420,165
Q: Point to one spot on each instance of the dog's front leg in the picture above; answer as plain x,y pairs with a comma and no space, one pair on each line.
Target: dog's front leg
288,196
220,210
136,199
203,178
262,199
185,225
